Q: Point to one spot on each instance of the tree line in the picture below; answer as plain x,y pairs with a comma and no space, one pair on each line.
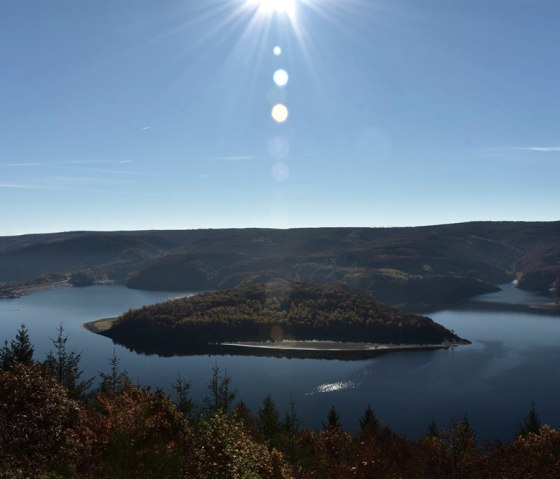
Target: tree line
54,423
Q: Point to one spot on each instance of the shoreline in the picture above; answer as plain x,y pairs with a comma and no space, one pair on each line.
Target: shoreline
18,290
535,308
337,346
328,349
547,307
99,326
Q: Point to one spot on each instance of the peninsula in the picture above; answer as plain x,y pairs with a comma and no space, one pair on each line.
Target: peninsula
290,319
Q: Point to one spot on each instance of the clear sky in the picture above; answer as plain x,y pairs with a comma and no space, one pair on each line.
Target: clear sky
137,114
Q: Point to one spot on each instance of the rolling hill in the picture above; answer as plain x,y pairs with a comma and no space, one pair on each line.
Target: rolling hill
413,267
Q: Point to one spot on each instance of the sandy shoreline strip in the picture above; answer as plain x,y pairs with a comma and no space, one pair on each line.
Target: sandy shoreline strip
335,346
99,325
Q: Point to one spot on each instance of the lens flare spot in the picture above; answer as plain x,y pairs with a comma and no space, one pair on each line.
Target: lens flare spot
276,333
281,77
277,51
279,113
280,171
278,147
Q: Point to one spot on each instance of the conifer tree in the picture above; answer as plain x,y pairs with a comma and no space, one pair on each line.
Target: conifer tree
433,430
64,365
184,402
269,422
20,350
6,360
116,380
333,419
291,425
242,412
220,394
461,441
530,424
368,420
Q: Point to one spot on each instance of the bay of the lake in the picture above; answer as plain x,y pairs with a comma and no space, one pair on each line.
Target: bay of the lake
512,362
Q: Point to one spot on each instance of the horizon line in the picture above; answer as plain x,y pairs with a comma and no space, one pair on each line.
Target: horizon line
242,228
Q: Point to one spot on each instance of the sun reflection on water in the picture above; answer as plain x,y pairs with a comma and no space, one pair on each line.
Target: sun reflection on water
333,387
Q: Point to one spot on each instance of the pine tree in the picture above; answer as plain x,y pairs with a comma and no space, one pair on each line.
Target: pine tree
221,395
116,380
461,441
433,430
6,359
269,422
368,420
65,366
242,412
530,424
291,425
20,350
333,419
184,402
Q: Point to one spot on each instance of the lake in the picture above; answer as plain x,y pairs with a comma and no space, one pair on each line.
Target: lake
512,362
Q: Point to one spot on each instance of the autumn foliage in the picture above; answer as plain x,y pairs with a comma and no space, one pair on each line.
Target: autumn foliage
133,432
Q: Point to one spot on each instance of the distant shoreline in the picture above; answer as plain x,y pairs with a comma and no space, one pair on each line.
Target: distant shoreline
547,307
535,308
12,291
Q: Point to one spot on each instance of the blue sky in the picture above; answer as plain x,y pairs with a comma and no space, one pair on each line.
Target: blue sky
136,114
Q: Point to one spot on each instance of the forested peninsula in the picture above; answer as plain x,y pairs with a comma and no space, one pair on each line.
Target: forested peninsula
273,313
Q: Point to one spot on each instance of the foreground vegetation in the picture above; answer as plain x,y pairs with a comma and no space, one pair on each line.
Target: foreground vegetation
272,312
53,425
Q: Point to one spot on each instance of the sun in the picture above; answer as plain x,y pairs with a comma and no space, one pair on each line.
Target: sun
274,6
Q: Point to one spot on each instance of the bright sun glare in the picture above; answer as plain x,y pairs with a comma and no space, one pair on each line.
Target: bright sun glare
274,6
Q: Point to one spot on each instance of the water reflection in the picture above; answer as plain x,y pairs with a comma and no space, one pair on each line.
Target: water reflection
511,363
333,387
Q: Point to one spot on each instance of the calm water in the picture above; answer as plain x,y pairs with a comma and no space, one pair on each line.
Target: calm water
513,361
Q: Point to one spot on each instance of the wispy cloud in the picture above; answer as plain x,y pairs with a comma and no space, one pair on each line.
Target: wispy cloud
79,162
19,186
64,162
541,149
544,148
73,180
234,158
23,164
522,153
53,186
111,171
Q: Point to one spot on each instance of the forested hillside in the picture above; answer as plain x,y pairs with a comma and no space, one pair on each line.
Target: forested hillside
414,267
273,312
